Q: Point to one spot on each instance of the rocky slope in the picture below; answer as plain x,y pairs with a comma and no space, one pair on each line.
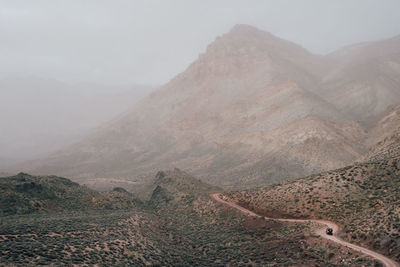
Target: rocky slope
389,147
363,198
25,194
187,228
252,109
363,79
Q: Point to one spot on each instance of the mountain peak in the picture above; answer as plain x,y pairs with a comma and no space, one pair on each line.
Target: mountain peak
244,47
247,49
247,34
246,29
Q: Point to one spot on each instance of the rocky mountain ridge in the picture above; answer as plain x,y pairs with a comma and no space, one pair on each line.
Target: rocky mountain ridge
253,109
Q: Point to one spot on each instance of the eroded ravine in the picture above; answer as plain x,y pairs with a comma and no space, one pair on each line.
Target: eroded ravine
321,231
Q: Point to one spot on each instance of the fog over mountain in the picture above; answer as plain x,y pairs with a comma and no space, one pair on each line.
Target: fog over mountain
149,42
39,116
252,109
200,133
69,66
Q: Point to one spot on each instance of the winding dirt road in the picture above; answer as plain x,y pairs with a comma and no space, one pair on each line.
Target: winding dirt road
321,231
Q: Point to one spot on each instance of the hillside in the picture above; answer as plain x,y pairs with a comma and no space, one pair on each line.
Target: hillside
363,198
24,194
249,110
363,79
175,186
214,235
387,148
383,138
184,228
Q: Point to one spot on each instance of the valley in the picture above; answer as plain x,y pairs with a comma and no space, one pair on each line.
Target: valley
179,225
242,159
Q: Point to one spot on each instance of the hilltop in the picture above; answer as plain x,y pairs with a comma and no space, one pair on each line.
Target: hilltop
24,194
176,185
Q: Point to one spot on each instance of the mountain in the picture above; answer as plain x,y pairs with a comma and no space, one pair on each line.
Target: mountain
363,80
253,109
246,111
384,138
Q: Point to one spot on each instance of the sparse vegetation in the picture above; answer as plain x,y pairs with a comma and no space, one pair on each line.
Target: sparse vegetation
363,198
23,194
187,229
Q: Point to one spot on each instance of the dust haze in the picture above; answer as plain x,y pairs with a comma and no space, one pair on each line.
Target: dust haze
200,133
68,67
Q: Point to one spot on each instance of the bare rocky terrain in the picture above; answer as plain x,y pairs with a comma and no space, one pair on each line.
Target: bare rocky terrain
253,109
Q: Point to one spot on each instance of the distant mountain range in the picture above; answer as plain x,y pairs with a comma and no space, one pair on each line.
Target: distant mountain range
39,116
253,109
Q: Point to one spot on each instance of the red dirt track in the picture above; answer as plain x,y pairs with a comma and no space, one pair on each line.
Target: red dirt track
320,231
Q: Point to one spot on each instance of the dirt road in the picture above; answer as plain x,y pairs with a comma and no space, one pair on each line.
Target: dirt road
321,232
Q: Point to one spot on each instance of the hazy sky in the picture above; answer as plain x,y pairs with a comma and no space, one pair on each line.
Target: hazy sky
151,41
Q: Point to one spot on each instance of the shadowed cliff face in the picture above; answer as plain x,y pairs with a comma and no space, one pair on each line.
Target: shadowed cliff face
252,109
